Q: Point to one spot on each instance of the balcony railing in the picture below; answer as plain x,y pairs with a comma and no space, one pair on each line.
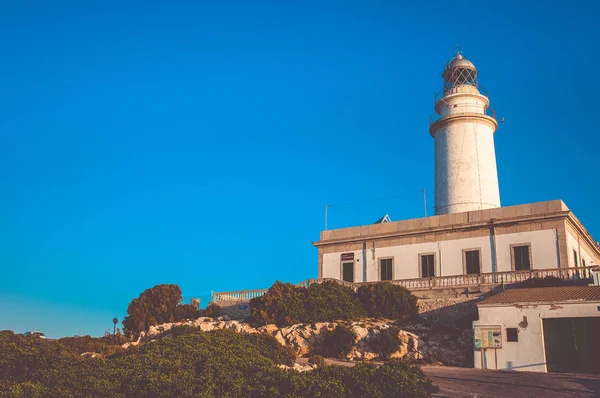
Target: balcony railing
490,111
438,282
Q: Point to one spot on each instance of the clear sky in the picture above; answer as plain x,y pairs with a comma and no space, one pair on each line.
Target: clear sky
197,142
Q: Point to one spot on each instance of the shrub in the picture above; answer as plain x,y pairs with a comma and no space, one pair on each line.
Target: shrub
284,304
330,301
548,281
212,311
386,342
316,360
186,311
218,363
337,343
270,348
107,345
384,299
182,330
153,307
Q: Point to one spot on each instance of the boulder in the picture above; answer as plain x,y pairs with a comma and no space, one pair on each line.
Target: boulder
90,355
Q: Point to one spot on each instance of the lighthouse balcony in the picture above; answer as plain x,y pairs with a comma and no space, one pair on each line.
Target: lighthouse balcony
463,110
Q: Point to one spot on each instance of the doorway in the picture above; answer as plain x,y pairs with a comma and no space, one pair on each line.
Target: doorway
572,345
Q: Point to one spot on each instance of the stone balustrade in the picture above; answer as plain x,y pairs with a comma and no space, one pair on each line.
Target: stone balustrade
438,282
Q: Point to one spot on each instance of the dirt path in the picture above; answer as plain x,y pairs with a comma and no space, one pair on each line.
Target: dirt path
476,383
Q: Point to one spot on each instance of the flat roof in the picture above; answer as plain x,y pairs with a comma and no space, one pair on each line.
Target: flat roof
540,295
539,210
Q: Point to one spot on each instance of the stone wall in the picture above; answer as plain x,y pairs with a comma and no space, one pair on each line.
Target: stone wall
447,309
236,310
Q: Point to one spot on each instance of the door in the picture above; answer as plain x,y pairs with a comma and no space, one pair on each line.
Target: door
348,272
571,345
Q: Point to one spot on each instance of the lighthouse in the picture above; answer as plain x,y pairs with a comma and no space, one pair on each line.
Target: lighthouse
463,127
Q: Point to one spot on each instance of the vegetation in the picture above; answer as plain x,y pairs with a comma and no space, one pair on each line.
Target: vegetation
154,306
285,304
316,360
337,343
107,345
212,311
218,363
182,330
386,342
387,300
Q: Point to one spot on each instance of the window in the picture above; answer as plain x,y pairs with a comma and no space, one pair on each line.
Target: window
427,265
385,269
575,258
521,255
472,261
348,272
512,335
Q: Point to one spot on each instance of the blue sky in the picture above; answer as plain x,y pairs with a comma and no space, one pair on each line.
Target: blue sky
197,143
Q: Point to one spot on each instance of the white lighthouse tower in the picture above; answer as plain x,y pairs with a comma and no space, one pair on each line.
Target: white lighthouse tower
463,129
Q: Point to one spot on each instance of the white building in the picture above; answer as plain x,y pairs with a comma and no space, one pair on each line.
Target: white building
542,330
471,239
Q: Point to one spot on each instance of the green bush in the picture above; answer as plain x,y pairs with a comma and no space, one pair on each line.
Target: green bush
153,307
316,360
386,342
337,343
386,300
182,330
330,301
107,345
218,363
212,311
284,304
186,311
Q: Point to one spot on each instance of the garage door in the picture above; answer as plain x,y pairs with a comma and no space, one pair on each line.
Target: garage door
572,345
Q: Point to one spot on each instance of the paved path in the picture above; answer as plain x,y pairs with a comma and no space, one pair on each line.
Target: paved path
477,383
465,382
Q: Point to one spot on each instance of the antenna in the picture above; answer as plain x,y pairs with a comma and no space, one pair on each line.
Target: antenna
458,50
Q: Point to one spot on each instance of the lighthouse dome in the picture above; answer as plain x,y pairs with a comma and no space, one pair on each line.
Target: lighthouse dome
459,71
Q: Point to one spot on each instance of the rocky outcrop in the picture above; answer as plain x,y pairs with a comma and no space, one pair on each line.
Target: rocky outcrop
301,337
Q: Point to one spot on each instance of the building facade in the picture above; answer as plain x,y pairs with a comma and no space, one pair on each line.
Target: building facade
532,236
470,233
551,329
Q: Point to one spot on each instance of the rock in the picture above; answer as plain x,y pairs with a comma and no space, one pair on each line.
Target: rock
224,318
207,326
233,325
269,329
360,331
299,338
279,337
303,368
89,355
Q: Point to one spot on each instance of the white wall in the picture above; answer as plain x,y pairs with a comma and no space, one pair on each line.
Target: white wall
528,353
466,178
582,253
406,257
544,249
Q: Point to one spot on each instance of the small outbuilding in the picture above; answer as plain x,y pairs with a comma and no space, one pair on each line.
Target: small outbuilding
550,329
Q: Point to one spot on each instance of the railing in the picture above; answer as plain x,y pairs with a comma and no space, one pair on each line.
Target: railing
490,111
438,282
247,295
240,295
443,92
